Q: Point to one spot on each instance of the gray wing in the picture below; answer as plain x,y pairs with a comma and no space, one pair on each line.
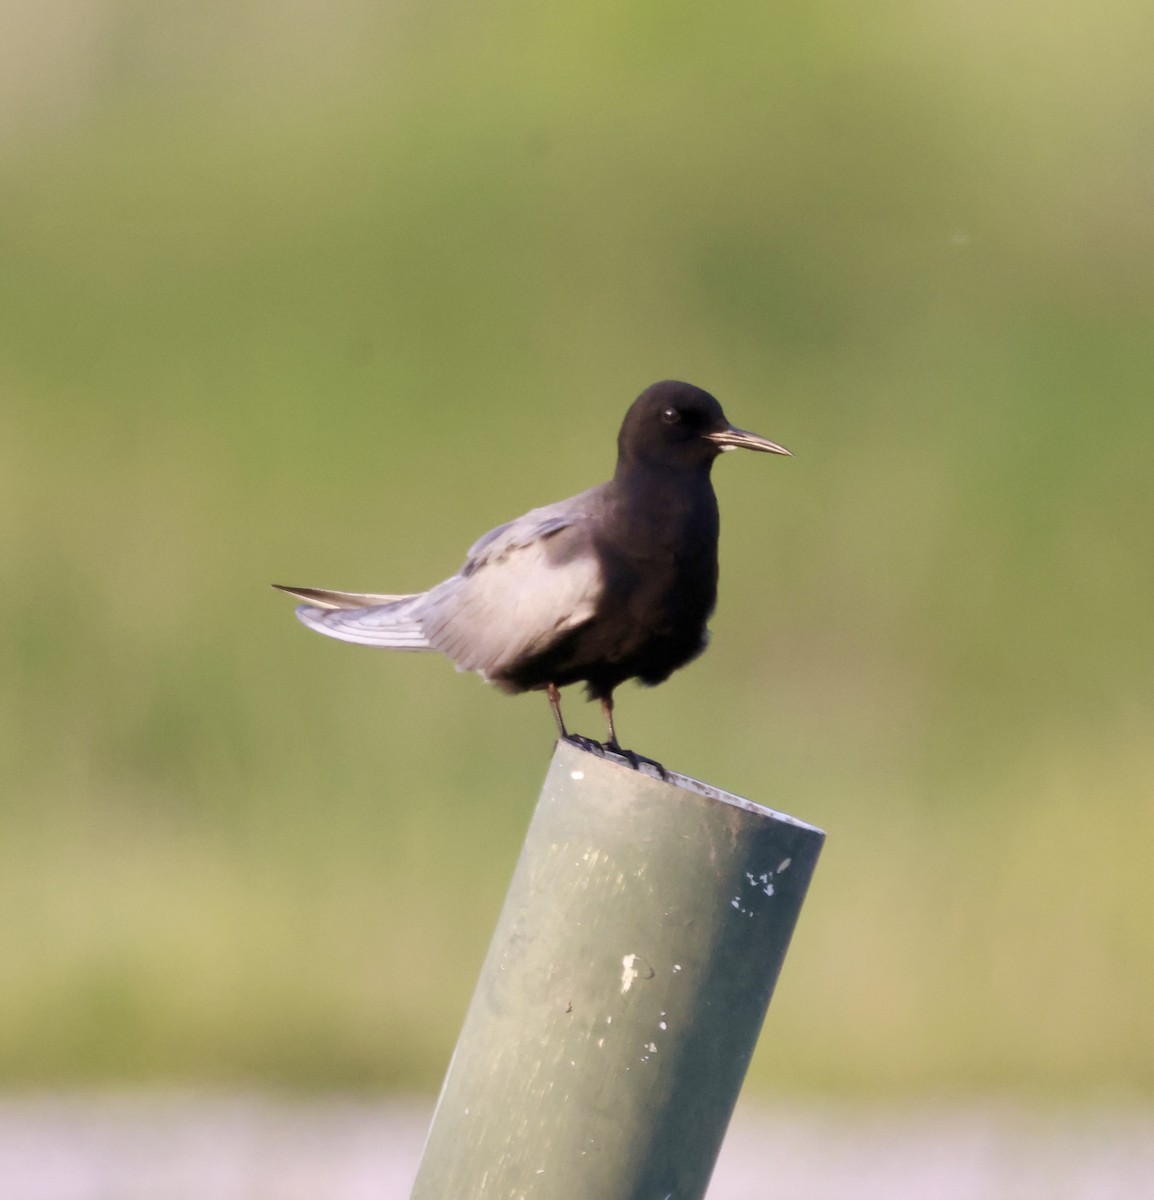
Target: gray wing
516,601
522,586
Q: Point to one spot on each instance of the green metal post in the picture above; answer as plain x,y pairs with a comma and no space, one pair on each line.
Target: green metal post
623,992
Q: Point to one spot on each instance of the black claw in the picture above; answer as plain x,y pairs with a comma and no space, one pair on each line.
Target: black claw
605,748
650,762
584,743
635,760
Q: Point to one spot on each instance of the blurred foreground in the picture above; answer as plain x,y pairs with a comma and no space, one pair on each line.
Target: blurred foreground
188,1147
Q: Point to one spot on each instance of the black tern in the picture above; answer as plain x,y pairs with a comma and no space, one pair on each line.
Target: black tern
615,583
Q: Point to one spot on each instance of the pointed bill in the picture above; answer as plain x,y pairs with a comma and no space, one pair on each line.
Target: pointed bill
741,439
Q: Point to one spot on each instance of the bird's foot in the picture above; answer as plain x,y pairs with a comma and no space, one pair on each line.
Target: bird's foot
635,760
602,749
584,743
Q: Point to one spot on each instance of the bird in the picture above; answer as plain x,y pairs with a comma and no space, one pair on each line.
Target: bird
615,583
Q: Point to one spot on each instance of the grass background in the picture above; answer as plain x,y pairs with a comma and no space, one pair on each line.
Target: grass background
320,293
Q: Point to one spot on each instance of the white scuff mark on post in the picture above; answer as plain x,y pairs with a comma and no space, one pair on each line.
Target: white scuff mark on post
652,1047
629,973
676,968
662,1025
600,1042
578,775
763,883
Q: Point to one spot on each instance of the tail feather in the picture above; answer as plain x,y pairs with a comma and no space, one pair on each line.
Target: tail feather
369,620
324,598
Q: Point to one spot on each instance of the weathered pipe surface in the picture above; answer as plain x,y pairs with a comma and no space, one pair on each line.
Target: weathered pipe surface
623,992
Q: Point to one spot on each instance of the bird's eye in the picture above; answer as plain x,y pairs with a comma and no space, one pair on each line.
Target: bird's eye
670,416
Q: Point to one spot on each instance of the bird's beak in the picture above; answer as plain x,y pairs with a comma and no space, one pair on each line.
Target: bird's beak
735,439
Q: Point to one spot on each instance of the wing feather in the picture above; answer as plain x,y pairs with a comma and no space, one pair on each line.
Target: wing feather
390,626
522,586
325,598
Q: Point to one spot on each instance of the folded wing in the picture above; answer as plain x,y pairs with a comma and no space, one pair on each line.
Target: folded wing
523,586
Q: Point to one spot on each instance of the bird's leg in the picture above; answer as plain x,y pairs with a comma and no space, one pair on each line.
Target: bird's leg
607,713
575,738
634,760
555,704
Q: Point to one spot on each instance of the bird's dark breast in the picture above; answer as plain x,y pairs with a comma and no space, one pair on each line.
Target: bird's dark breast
660,590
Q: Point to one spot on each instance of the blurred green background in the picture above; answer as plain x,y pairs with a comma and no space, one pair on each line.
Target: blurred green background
320,293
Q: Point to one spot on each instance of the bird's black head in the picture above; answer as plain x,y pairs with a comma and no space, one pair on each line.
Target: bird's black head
676,424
